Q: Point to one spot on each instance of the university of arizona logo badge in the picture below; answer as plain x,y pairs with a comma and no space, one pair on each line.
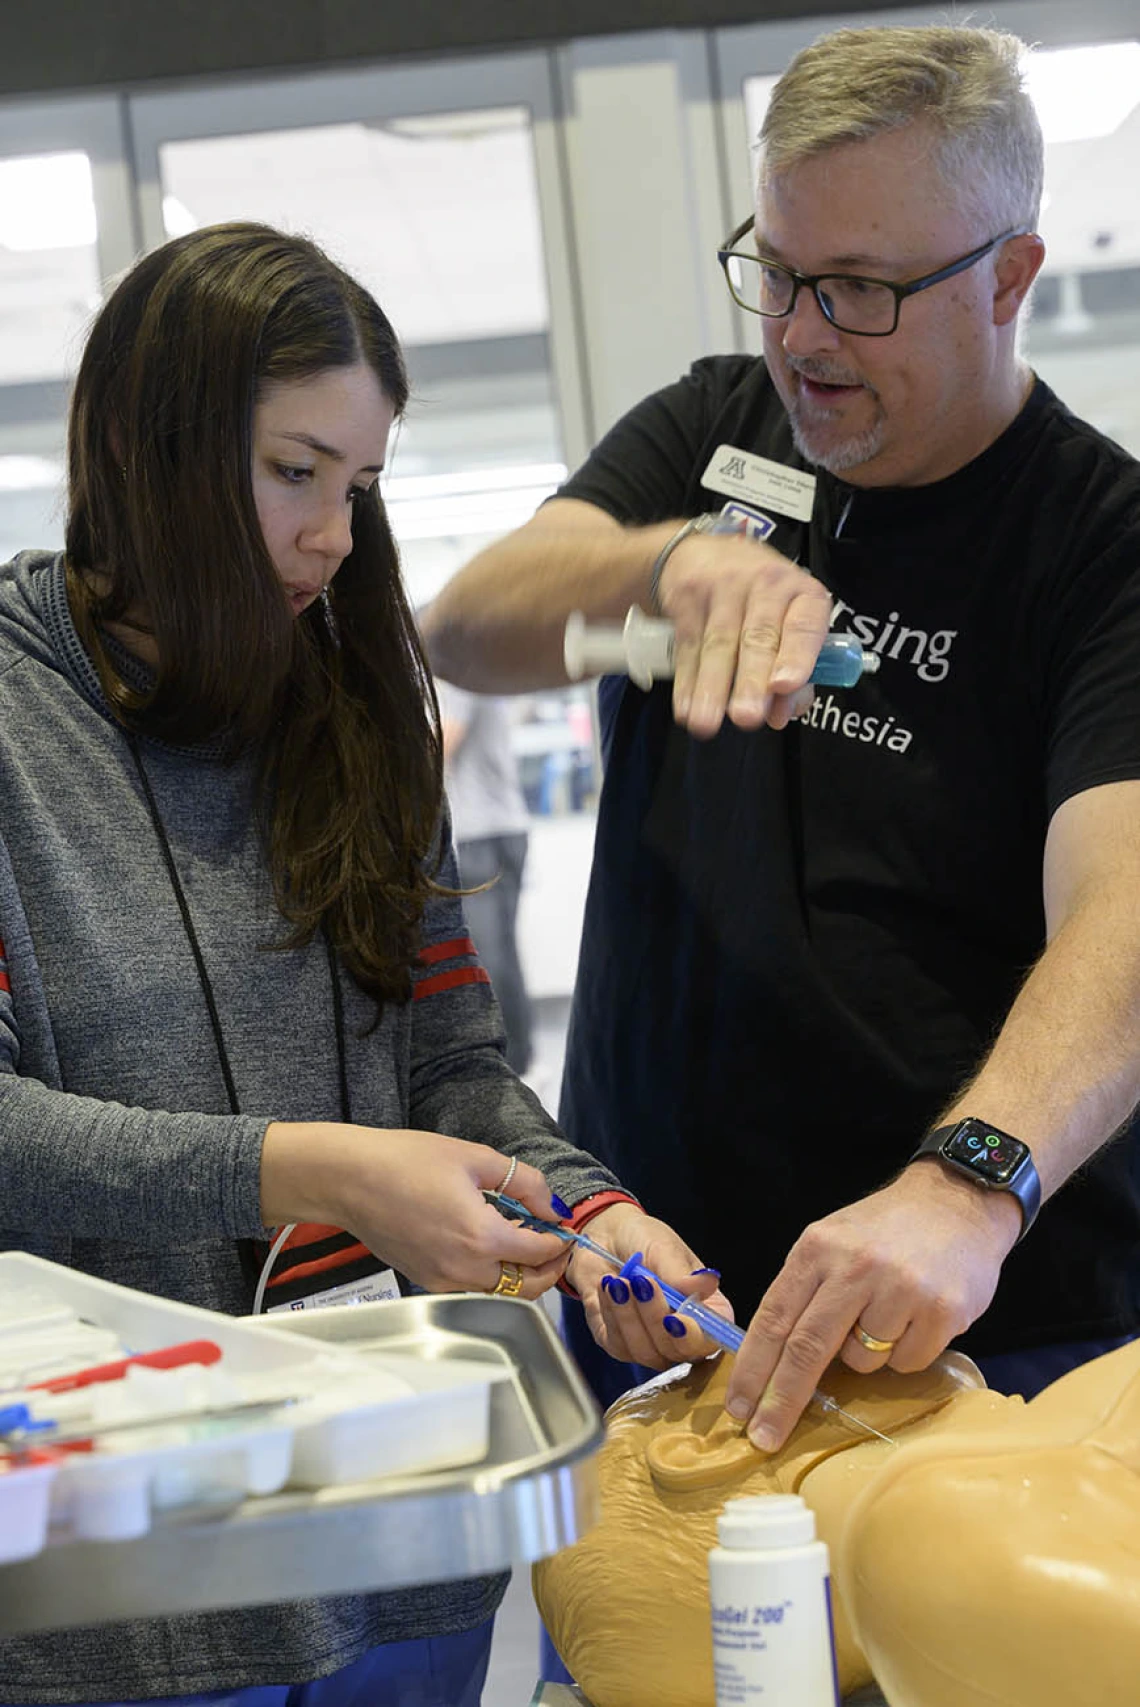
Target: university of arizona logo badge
754,523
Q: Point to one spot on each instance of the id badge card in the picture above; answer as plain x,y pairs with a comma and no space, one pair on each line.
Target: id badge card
370,1290
758,482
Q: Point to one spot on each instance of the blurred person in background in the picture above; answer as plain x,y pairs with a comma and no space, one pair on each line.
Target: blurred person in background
490,827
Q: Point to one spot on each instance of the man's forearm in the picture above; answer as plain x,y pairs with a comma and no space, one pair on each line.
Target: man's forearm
1065,1071
498,626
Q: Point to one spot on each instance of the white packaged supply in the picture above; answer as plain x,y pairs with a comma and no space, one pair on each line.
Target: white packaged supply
333,1417
25,1500
354,1442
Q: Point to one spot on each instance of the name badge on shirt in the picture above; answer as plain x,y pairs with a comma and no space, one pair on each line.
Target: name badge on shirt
759,480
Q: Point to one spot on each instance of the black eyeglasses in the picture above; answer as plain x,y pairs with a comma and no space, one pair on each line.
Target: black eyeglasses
869,308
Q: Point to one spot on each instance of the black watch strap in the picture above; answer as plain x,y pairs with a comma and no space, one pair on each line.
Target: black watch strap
990,1158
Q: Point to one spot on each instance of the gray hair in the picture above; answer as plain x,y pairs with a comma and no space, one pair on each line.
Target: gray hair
965,84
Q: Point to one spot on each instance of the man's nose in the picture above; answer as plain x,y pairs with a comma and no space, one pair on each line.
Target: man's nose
807,328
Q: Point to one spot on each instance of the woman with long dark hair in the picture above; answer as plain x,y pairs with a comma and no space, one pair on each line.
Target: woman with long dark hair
247,1053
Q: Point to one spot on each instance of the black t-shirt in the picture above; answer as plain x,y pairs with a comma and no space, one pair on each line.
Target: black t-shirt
798,946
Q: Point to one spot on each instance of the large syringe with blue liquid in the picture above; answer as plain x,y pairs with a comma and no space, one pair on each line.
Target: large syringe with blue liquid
642,647
688,1307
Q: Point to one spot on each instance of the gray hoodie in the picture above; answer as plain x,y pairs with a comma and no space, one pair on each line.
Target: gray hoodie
118,1150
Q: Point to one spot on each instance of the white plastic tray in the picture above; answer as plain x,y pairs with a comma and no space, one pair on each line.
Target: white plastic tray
355,1419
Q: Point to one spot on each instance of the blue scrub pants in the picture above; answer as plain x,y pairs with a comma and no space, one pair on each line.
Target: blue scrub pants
437,1671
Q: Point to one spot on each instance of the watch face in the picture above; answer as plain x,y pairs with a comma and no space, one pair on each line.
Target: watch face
991,1154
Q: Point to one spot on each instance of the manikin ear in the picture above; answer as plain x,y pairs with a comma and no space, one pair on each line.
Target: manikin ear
1018,263
710,1450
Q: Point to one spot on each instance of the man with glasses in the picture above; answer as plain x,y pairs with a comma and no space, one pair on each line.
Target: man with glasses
860,974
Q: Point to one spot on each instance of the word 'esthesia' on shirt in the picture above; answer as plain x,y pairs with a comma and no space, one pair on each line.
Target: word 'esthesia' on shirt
828,713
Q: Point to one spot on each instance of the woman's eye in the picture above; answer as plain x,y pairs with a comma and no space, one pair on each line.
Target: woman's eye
357,494
292,473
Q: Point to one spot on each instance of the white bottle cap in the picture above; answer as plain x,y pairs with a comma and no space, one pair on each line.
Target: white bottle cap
766,1521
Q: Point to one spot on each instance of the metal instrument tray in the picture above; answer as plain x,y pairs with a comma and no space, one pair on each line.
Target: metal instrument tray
535,1492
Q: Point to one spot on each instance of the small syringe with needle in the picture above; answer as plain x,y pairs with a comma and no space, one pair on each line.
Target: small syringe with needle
728,1335
723,1333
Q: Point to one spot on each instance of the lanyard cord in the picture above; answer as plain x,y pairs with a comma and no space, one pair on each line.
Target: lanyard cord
199,962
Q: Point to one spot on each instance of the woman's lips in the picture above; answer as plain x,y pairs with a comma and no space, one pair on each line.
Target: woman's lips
301,600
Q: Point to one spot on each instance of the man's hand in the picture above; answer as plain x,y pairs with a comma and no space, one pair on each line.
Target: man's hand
631,1327
749,627
914,1265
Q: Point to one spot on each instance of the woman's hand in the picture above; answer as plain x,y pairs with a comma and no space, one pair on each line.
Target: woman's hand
630,1327
415,1199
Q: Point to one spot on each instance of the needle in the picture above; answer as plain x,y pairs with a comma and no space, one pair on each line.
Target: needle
723,1333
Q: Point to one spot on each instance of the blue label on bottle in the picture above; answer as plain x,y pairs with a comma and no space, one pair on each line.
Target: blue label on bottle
831,1639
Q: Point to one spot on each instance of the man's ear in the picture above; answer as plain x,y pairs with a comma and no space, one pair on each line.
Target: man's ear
1018,264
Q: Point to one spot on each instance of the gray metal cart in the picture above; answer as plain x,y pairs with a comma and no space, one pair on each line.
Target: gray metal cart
535,1492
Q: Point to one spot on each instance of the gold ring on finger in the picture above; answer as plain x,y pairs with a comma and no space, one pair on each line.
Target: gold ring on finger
870,1341
510,1282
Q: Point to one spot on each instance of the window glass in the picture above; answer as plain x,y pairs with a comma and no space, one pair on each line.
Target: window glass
49,288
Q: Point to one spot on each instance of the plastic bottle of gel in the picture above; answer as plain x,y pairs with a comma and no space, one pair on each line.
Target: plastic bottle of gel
770,1590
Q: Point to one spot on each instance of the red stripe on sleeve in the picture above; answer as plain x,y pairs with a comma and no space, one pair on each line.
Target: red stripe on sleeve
4,983
449,980
309,1233
454,949
320,1265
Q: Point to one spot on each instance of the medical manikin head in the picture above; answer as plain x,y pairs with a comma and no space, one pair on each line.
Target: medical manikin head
1038,1501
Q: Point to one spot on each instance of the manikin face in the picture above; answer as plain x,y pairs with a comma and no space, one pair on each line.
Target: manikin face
318,445
914,407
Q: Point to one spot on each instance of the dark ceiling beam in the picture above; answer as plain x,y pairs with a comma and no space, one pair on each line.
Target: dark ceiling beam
60,45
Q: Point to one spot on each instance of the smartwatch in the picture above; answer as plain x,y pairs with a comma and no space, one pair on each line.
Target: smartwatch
989,1157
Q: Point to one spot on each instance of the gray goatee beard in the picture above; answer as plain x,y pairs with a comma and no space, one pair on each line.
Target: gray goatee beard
838,458
812,438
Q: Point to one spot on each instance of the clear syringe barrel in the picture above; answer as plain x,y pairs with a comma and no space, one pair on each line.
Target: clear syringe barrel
642,649
723,1333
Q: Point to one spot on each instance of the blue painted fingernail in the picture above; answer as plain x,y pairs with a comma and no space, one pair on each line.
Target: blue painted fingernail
715,1271
642,1288
617,1289
673,1325
562,1210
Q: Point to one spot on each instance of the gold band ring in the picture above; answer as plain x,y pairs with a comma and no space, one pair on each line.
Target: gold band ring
510,1281
869,1340
507,1177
